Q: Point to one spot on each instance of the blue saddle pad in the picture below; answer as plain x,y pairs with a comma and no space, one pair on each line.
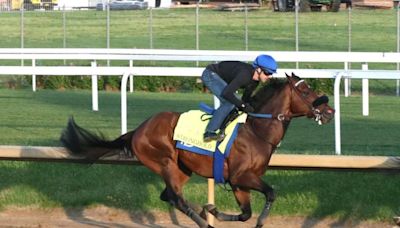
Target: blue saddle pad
219,156
184,136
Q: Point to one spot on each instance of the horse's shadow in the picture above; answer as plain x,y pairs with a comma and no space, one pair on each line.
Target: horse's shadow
330,194
71,187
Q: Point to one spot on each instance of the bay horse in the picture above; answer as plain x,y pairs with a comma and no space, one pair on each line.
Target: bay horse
153,145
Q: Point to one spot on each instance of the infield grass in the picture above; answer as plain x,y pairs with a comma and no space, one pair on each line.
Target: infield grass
371,30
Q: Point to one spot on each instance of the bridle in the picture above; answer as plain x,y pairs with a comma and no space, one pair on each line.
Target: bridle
312,106
303,95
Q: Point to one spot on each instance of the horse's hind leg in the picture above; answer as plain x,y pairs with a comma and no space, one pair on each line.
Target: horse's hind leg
243,200
174,179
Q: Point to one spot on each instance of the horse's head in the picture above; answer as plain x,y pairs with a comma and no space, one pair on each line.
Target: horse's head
306,101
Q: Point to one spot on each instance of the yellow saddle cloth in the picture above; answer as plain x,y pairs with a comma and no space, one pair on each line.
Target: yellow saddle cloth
190,129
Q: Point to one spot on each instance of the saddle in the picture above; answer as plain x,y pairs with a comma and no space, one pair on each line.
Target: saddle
189,130
228,119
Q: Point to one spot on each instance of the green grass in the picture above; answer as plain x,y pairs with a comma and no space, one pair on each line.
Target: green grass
29,118
372,30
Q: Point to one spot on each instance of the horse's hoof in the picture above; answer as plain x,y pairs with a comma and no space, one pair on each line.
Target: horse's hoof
203,214
209,226
396,220
209,207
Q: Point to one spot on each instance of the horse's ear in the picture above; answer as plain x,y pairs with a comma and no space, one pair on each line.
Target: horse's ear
287,75
295,76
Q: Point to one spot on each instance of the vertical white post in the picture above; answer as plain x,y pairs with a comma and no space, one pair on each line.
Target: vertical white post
34,76
211,199
95,99
365,92
124,104
346,80
131,77
338,149
211,182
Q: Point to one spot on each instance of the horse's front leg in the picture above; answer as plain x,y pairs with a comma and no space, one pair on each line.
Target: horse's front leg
251,181
242,198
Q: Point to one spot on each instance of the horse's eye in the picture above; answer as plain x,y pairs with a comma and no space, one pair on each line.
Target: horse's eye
305,93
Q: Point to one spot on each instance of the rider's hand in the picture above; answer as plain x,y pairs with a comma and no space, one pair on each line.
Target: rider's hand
246,107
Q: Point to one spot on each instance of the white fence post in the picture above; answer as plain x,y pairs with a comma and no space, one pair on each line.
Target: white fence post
346,81
211,182
338,149
34,76
124,103
95,96
365,92
131,77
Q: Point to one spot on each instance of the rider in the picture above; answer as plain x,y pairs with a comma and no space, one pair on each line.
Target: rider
223,79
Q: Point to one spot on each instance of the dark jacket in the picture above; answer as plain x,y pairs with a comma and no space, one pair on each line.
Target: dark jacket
237,75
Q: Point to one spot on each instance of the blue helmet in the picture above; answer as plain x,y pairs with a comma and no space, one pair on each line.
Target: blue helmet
266,63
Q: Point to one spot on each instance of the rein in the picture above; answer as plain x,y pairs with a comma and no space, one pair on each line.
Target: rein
282,117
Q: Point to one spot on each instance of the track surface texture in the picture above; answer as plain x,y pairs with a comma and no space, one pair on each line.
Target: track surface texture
109,217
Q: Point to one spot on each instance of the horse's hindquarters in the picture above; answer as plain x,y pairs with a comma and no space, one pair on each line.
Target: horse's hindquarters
152,142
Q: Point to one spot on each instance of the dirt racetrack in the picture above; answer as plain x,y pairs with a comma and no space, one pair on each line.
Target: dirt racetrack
109,217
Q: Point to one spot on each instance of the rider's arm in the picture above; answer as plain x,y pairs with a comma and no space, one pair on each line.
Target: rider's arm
229,92
248,92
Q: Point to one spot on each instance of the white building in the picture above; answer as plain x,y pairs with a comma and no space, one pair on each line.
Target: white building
70,4
74,4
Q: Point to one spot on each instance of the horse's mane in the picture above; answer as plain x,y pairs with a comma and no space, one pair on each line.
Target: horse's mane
265,92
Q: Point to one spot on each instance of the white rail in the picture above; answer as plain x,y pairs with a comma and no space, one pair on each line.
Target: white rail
195,55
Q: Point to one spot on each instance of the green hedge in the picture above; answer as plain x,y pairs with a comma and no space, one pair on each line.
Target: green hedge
151,84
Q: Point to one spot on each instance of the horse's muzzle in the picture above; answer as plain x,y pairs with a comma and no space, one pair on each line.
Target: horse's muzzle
327,114
324,116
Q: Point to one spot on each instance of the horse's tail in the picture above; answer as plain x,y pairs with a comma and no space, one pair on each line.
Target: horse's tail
90,146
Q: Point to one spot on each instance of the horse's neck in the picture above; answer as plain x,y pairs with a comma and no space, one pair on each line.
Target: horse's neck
273,130
277,104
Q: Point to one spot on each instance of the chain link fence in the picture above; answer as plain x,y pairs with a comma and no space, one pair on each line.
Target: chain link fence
95,24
